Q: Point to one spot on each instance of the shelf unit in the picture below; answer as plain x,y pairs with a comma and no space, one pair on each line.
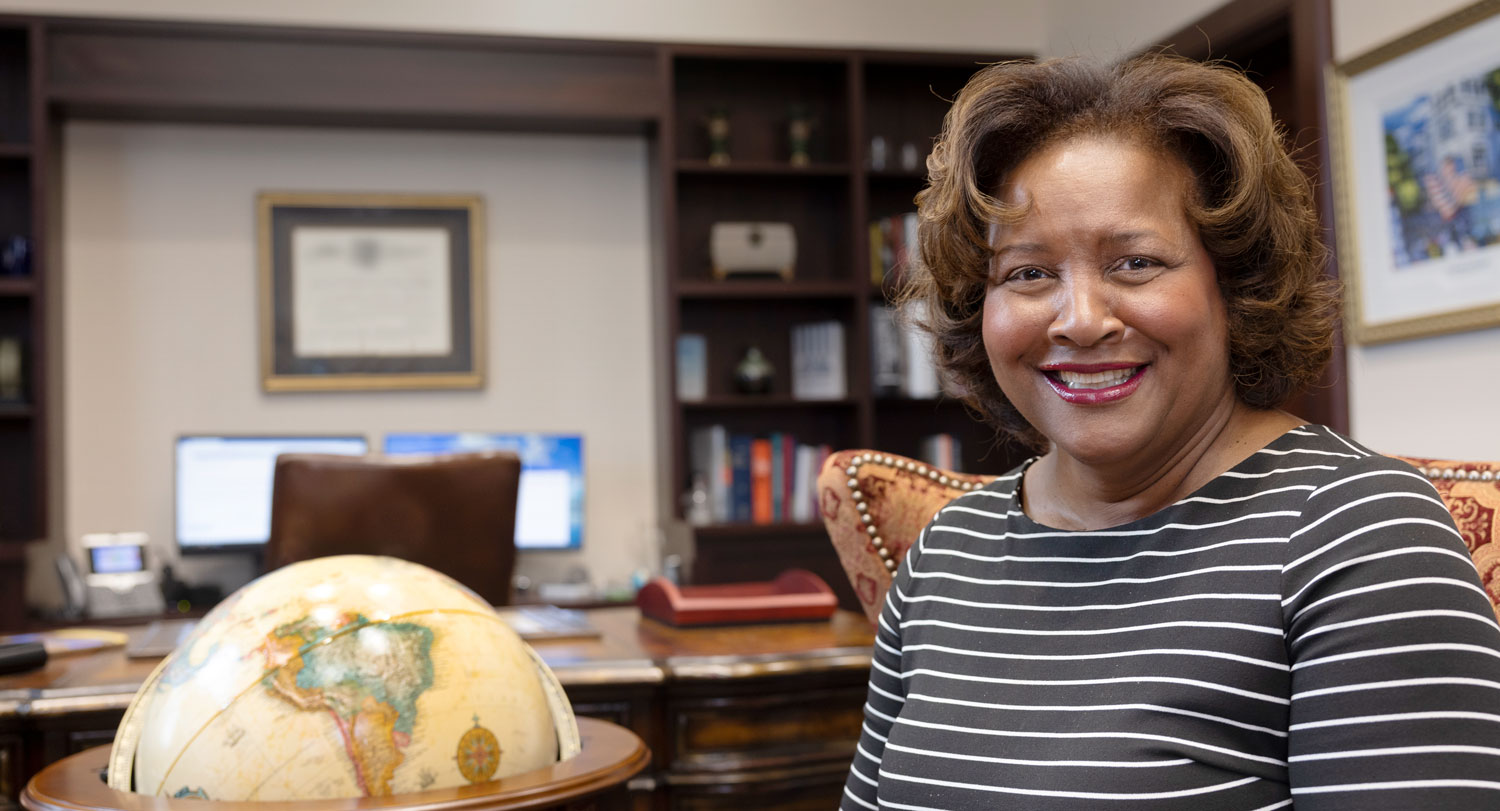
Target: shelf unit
22,312
852,97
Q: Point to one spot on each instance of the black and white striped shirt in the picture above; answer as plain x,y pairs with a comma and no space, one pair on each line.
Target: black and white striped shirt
1306,628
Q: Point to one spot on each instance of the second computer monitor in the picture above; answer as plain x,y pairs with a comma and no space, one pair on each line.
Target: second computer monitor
549,507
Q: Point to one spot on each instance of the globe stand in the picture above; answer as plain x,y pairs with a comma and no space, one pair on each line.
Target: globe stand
611,755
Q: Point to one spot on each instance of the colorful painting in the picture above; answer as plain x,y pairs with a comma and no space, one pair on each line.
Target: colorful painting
1442,157
1416,146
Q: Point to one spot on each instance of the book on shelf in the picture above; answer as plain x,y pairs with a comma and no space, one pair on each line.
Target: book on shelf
943,451
920,379
761,479
893,247
887,366
902,362
762,507
692,367
739,471
818,361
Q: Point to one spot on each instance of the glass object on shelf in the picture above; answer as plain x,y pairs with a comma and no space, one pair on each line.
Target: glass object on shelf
671,568
696,507
15,256
752,375
10,369
799,135
717,124
877,153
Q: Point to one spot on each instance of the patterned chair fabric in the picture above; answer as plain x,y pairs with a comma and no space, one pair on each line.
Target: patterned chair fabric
1472,492
875,504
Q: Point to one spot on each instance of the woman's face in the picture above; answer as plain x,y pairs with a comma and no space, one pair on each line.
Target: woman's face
1103,322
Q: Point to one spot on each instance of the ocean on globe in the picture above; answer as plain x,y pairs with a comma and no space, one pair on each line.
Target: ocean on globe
347,676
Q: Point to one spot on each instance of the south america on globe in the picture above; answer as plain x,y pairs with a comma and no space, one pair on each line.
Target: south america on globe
349,676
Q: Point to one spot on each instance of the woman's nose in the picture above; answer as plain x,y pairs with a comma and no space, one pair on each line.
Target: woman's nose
1085,315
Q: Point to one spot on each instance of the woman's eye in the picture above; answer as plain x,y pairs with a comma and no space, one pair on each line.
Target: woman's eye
1137,263
1026,275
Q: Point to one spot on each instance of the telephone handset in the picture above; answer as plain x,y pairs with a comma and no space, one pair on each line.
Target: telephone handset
75,591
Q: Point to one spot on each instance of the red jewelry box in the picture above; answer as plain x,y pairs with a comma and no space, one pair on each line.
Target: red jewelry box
795,594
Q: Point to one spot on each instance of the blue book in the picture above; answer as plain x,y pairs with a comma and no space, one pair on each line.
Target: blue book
739,489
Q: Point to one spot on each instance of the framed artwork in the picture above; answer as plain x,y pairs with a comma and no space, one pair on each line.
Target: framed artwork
1417,178
363,291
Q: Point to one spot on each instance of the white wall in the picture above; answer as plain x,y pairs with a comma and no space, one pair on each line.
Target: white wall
160,332
1109,29
1431,396
984,26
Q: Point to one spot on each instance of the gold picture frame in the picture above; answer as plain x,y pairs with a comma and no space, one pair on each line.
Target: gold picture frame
371,291
1415,140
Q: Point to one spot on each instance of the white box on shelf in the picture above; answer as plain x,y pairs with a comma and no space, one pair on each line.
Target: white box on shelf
753,248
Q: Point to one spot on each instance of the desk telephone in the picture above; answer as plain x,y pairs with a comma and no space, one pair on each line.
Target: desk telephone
119,582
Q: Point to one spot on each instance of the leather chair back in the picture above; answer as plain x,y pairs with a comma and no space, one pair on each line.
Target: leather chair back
455,514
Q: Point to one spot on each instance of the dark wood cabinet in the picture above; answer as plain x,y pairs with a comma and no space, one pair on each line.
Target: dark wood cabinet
23,151
895,101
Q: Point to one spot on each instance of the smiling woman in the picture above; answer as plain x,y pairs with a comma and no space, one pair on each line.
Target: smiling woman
1189,599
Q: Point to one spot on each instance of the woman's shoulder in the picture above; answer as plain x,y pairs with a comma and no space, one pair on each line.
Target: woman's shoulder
1337,469
1321,452
1306,462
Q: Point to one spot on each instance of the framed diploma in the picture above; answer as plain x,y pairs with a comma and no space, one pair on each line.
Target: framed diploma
364,291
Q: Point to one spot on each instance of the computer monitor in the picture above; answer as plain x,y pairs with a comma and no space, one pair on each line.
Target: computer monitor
223,485
549,507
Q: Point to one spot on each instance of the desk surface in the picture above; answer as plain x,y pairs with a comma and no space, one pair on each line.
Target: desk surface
629,650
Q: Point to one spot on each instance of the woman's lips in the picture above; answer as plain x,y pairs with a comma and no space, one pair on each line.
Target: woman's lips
1079,388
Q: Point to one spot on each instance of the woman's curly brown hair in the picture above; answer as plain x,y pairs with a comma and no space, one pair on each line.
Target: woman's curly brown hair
1253,208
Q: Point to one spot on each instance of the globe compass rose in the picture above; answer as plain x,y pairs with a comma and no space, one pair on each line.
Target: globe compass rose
478,754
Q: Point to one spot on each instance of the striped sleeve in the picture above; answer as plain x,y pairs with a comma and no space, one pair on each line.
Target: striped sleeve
1394,650
887,692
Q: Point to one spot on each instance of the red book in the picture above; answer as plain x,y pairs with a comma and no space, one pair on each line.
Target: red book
760,481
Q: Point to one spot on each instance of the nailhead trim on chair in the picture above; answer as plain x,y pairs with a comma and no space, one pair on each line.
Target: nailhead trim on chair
899,464
1450,473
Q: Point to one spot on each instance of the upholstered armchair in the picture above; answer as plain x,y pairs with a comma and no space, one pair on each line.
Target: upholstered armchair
875,504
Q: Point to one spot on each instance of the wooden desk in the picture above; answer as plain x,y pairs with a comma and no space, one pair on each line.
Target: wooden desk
753,716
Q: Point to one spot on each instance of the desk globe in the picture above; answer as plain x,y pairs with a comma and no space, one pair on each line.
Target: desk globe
347,676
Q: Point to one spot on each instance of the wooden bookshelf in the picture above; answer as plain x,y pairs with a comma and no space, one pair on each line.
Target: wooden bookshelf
852,97
23,459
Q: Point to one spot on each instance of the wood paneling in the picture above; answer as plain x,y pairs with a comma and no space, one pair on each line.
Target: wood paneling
181,72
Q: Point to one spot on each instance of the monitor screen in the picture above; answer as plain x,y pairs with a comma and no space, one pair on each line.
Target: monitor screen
119,559
549,507
223,485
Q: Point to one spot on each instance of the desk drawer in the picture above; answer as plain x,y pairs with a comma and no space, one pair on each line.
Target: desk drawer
769,731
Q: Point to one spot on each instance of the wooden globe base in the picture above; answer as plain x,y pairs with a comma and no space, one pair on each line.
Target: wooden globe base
611,755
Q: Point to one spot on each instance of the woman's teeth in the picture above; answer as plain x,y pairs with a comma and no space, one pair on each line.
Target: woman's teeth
1095,380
